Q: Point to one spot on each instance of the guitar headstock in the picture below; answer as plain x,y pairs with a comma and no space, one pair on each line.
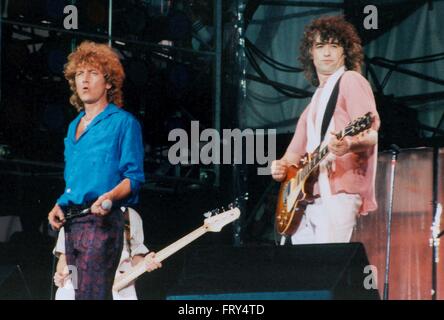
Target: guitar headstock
359,125
216,222
216,219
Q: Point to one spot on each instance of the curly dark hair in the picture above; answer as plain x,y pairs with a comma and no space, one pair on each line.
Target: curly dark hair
337,29
106,60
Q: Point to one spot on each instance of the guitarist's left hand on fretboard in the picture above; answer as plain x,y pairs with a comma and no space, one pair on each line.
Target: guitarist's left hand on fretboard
358,143
151,262
339,147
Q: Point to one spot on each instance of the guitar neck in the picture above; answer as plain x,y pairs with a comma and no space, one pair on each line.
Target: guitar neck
316,159
179,244
140,268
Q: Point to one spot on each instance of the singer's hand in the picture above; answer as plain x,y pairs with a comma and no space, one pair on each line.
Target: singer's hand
98,208
60,278
56,217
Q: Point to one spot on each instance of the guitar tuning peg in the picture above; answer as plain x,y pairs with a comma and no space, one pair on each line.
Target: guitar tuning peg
231,206
207,214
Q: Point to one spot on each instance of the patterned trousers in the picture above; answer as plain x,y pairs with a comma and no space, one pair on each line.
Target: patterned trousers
93,249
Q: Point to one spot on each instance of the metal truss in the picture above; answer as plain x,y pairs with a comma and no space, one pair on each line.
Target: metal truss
176,176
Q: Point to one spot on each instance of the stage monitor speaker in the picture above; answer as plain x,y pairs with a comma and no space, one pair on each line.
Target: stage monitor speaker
300,272
12,283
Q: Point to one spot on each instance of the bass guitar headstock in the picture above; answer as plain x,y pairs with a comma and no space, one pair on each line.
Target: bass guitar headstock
216,219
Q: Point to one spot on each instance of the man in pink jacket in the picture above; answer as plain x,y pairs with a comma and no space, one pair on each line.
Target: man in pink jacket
331,52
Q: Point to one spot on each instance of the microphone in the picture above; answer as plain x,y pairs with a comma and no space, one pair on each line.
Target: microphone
107,204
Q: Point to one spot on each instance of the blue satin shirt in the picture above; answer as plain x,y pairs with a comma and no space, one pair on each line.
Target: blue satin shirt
108,151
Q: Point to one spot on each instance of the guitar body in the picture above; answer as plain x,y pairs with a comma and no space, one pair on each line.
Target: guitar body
288,217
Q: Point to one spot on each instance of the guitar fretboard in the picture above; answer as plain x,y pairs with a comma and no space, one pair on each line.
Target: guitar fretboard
314,161
316,157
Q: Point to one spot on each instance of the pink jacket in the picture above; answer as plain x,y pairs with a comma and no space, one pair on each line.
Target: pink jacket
354,172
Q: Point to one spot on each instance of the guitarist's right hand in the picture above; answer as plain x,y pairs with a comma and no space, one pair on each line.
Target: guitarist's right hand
279,169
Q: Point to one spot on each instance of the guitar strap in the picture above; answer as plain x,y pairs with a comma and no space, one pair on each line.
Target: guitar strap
330,109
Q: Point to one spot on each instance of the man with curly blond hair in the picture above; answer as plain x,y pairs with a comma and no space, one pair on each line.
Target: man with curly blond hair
331,55
103,164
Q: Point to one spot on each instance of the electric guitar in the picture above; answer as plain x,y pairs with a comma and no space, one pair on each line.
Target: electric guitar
213,223
296,191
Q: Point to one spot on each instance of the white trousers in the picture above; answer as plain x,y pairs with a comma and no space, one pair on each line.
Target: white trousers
329,220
